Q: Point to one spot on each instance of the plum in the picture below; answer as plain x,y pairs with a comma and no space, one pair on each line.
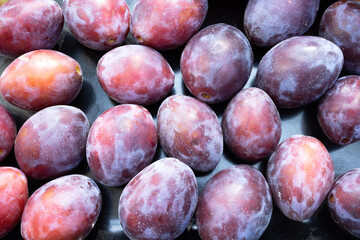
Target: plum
190,131
135,74
251,125
7,132
40,79
28,25
299,70
216,63
268,22
339,111
340,24
234,204
122,141
64,208
52,142
343,202
99,25
13,197
300,174
159,202
165,25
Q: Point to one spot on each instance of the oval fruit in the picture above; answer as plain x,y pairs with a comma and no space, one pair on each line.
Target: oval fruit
7,132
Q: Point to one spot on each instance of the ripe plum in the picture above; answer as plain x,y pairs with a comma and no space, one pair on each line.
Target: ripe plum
7,132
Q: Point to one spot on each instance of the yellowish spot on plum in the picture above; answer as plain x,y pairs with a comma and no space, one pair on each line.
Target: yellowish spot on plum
332,199
111,40
78,70
345,141
2,151
3,1
205,96
139,39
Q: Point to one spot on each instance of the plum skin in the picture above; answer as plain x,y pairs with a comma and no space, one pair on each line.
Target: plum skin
159,202
121,142
216,63
13,197
339,111
29,25
300,174
235,203
343,202
7,132
251,125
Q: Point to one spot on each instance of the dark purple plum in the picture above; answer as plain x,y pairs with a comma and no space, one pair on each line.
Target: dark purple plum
216,63
340,24
299,70
251,125
339,111
159,202
7,132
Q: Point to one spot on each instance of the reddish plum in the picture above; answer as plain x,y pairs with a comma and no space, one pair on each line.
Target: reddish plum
299,70
27,25
339,111
122,141
159,202
52,142
300,174
7,132
340,24
13,197
100,25
167,24
251,125
135,74
216,63
64,208
40,79
190,131
343,202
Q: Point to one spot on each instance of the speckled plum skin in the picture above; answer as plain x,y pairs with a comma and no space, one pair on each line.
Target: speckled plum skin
122,141
300,174
167,24
99,25
159,202
340,24
64,208
299,70
251,125
40,79
7,132
234,204
268,22
190,131
343,202
135,74
13,197
52,142
27,25
216,63
339,111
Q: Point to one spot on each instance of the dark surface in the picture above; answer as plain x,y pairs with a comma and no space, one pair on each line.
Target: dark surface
93,101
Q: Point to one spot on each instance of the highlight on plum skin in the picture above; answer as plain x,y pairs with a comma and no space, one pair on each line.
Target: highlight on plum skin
135,74
64,208
7,132
190,131
300,174
52,142
299,70
28,25
343,202
216,63
40,79
267,23
251,125
13,197
159,202
340,24
122,141
234,204
165,25
339,111
99,25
